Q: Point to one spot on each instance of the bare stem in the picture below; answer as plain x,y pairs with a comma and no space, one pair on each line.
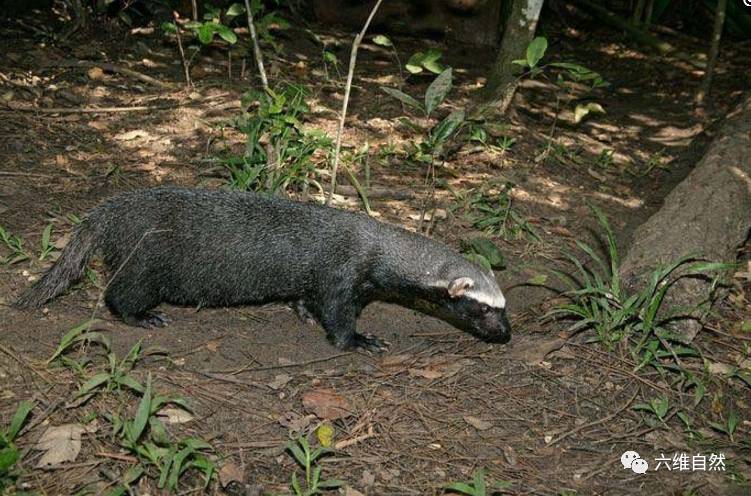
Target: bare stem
347,89
186,69
256,47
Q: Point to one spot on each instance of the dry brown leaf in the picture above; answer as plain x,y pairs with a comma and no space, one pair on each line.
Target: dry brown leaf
174,415
477,423
326,404
230,473
425,373
61,444
279,381
95,73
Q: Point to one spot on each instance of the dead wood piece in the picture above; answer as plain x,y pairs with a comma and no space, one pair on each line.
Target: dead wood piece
708,215
106,66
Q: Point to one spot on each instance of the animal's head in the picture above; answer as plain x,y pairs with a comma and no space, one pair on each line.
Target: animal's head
474,303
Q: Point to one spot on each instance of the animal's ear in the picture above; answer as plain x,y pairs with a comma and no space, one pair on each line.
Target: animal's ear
459,286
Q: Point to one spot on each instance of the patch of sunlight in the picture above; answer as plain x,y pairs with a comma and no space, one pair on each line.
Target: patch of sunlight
632,203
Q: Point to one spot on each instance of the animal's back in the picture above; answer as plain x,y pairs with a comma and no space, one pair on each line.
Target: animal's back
220,248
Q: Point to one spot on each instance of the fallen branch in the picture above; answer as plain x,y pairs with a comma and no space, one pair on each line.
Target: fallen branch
106,66
347,89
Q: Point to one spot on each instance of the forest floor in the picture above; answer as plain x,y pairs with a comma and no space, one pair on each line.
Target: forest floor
546,413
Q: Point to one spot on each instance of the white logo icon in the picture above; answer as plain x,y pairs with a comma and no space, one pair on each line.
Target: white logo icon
632,460
747,3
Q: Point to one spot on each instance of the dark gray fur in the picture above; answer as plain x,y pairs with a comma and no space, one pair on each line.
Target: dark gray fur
215,248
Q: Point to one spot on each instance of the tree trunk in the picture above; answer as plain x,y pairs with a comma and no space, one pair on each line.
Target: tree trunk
518,32
714,50
708,215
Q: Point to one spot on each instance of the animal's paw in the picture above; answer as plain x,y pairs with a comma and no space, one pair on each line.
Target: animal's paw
368,343
148,320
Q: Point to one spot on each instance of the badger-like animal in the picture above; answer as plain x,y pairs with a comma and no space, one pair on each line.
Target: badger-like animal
217,248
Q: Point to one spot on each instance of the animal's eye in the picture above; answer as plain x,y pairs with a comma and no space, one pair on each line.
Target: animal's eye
485,309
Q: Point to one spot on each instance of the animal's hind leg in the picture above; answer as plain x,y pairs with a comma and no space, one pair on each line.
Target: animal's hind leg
132,302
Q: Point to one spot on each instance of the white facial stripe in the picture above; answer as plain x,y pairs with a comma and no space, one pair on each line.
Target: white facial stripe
495,299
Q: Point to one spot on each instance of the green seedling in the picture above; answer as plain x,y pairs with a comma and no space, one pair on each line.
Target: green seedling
478,486
46,245
728,427
9,452
657,406
308,460
14,244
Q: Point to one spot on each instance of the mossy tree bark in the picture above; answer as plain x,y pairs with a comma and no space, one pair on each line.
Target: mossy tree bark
707,215
517,33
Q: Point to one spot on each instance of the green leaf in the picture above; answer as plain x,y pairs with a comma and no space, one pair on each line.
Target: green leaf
133,473
297,452
197,444
296,485
382,40
130,382
538,280
206,32
479,481
19,418
93,383
478,259
430,61
460,487
437,91
447,127
535,51
402,97
143,413
8,458
482,245
235,10
732,422
46,236
226,34
69,338
330,483
581,111
414,64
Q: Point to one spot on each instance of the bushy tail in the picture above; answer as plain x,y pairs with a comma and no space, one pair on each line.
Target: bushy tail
68,269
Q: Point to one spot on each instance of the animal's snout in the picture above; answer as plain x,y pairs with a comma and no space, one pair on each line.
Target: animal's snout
504,329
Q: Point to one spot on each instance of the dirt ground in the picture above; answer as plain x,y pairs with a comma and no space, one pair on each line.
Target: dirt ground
439,404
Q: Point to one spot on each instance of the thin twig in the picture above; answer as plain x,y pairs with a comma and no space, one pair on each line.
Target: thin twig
186,69
94,110
347,89
256,47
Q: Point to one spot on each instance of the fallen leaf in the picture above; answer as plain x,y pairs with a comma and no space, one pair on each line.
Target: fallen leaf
326,404
230,473
175,415
131,135
477,423
510,455
719,368
279,381
61,443
95,73
425,373
213,345
348,491
294,422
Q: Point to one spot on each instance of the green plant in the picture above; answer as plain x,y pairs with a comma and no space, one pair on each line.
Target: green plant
478,486
483,252
307,459
427,60
46,244
657,406
9,453
433,139
14,243
145,436
279,150
599,301
494,214
728,427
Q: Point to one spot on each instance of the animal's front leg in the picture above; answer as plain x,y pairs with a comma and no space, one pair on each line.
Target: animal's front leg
340,323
